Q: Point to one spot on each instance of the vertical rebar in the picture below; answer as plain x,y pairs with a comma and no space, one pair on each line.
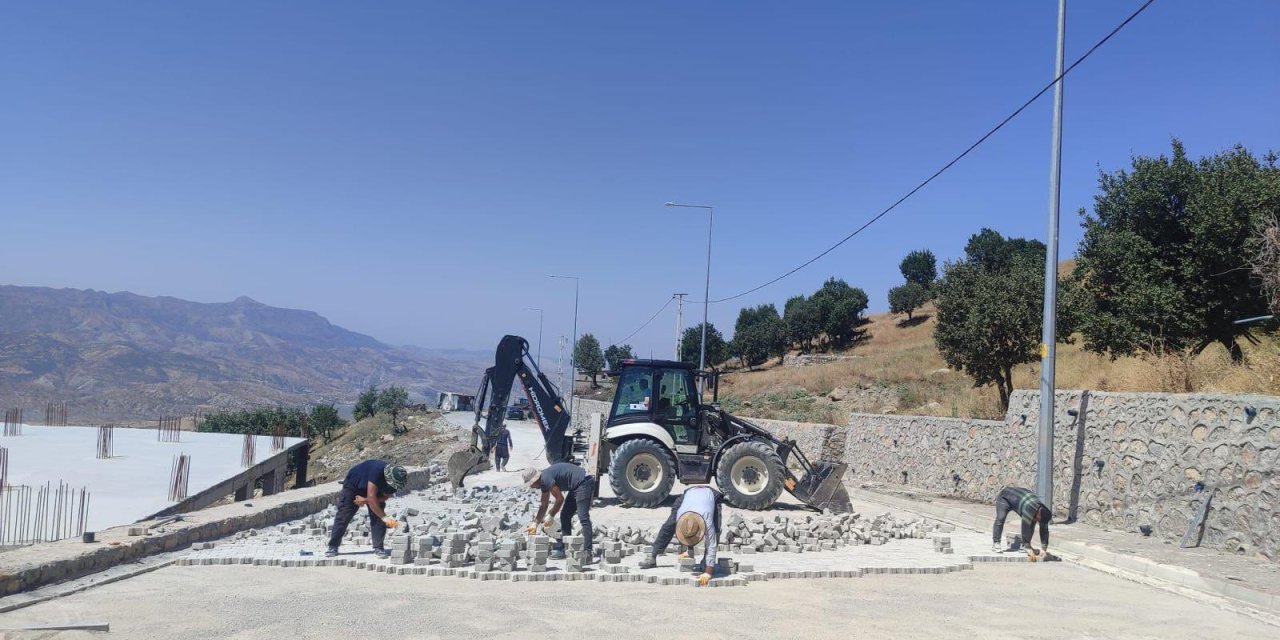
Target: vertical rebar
248,453
277,437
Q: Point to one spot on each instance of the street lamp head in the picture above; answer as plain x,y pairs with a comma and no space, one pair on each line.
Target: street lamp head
669,204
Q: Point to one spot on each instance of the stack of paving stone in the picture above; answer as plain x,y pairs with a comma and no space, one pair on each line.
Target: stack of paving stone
508,555
942,543
575,553
484,552
428,549
453,550
613,552
816,532
537,549
401,549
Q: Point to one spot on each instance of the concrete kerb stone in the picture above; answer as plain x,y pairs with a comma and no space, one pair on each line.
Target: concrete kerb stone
50,563
1168,577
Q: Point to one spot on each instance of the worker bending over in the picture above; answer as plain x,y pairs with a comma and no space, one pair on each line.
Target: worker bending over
1032,510
367,484
695,517
573,488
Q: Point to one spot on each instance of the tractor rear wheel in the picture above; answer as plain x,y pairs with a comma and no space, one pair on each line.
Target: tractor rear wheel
750,475
641,473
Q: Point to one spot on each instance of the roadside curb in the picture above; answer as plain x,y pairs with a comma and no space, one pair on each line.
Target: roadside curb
1172,578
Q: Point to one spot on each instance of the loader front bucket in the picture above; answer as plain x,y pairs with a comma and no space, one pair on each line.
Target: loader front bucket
464,463
823,488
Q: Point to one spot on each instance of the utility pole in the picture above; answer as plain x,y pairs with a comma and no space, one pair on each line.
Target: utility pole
679,321
1048,339
560,365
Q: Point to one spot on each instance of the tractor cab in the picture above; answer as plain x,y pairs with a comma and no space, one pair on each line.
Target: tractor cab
661,392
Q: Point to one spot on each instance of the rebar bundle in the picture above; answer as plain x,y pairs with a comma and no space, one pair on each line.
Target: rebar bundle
249,453
179,473
169,429
4,468
42,514
55,414
277,437
106,441
13,422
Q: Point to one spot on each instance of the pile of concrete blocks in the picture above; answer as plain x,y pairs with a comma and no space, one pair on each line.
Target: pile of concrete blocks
484,552
453,550
942,543
613,551
427,549
537,550
576,556
401,549
507,556
816,532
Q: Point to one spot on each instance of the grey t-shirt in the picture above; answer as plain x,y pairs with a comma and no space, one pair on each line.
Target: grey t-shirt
565,475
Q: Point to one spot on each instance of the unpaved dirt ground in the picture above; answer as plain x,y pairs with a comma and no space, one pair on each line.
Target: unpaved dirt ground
1053,601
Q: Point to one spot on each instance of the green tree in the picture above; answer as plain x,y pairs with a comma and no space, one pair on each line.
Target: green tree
615,354
920,267
691,341
1266,264
324,420
802,321
588,358
907,298
989,310
392,400
1164,258
366,404
759,334
839,308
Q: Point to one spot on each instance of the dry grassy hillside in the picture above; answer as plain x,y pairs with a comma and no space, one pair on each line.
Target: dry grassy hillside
899,370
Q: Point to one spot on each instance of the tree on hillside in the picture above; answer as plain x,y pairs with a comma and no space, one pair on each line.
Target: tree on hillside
324,420
920,267
392,400
366,404
907,298
1266,266
615,354
989,310
839,308
588,358
691,341
759,334
1165,254
801,319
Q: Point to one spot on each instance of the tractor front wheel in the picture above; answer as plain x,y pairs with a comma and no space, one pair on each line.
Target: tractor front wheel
641,473
750,475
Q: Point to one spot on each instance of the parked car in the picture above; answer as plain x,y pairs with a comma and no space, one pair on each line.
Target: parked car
515,413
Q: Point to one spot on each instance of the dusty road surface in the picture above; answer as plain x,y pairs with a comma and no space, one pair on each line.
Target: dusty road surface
1053,601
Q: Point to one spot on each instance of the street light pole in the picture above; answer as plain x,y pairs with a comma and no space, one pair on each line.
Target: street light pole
679,320
1048,339
706,292
573,364
539,333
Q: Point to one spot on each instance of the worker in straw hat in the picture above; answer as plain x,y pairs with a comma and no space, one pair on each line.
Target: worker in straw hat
368,484
694,519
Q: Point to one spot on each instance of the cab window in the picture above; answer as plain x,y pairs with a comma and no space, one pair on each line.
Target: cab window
635,392
675,395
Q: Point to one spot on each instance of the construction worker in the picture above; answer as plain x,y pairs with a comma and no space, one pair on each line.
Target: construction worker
502,448
1030,508
368,484
694,518
573,488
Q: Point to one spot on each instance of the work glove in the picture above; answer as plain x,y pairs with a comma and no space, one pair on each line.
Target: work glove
532,529
1033,553
704,579
683,555
390,522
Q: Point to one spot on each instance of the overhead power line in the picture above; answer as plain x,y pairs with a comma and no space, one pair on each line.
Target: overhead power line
646,322
953,161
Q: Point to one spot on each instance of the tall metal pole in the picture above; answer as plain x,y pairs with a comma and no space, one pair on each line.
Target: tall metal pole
706,292
679,321
1048,341
573,364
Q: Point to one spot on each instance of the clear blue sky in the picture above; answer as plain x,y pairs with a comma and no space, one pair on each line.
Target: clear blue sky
412,170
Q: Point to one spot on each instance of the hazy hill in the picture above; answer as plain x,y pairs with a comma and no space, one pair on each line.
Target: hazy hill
125,356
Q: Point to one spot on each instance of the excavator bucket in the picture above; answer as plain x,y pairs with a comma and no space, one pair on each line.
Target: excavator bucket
464,463
822,488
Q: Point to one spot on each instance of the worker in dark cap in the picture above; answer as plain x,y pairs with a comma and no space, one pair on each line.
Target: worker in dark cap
1032,510
368,484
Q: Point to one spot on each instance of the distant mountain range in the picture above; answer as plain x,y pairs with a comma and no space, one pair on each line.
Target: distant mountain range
121,356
